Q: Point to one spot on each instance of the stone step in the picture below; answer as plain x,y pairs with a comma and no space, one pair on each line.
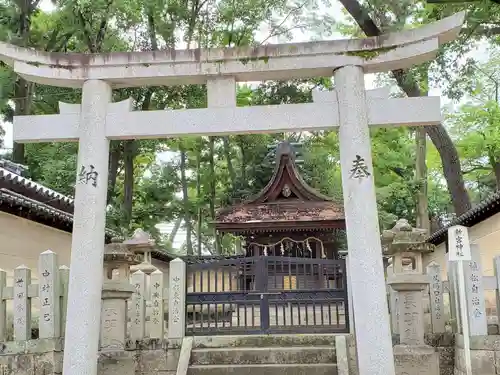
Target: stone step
267,369
258,341
264,355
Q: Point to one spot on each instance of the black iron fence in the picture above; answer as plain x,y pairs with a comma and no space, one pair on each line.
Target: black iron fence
266,294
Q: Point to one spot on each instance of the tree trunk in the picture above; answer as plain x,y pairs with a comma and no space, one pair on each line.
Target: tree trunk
22,102
185,199
447,151
421,177
114,162
129,152
437,133
227,154
244,158
175,229
451,168
212,189
198,199
23,89
496,172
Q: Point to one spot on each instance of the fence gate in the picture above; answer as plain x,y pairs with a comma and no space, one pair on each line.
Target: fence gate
267,294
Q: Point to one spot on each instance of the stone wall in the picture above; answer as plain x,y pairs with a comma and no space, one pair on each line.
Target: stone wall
485,355
444,343
45,357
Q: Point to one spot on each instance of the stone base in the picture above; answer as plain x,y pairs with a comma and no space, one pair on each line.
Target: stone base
116,363
416,360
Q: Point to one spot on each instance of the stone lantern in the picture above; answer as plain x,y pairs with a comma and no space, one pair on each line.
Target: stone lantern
142,244
116,291
403,243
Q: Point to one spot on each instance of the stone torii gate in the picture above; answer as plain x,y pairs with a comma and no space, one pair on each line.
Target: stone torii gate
97,120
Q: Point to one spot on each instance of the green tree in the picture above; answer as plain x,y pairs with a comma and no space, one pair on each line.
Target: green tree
476,129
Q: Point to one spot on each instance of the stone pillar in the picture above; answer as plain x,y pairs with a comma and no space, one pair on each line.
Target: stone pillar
411,316
371,318
87,247
438,318
403,243
177,299
454,297
474,292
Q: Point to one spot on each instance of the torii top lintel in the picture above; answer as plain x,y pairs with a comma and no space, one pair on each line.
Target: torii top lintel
396,50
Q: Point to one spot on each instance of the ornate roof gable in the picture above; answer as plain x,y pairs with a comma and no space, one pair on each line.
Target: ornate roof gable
286,182
286,202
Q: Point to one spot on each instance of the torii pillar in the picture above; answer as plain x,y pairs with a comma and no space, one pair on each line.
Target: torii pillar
352,110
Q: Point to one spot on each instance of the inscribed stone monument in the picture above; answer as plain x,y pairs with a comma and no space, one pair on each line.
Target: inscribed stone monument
411,356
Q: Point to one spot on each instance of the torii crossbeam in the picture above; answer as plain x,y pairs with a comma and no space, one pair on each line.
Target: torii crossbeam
322,114
349,108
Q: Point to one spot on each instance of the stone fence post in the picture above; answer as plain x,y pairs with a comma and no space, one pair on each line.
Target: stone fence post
22,304
438,318
474,291
177,299
49,295
496,269
453,297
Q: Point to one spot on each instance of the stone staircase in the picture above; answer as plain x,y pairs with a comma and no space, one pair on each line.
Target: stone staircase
266,355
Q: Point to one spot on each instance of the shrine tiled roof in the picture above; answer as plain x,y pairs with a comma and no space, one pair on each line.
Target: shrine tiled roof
25,198
20,202
477,214
34,190
287,202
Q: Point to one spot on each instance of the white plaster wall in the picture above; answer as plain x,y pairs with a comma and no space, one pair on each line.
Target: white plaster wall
487,236
22,241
